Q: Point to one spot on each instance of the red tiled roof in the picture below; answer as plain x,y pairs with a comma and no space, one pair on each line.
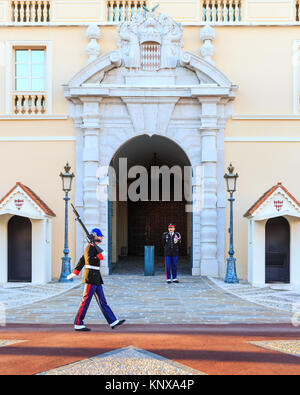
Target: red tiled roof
33,196
266,195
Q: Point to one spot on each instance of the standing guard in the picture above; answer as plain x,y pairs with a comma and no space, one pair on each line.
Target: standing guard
93,285
171,241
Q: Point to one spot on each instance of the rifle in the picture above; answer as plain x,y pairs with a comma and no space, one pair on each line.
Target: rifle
90,237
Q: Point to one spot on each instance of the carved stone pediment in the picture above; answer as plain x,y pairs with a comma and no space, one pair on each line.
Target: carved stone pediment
149,42
277,201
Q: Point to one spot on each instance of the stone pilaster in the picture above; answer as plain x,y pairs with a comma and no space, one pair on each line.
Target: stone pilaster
103,185
221,204
90,159
80,237
197,206
209,158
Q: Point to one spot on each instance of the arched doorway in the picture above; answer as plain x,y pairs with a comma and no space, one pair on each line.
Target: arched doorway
277,250
19,249
138,223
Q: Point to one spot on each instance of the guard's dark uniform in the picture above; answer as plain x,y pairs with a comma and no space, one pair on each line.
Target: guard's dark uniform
93,286
171,252
90,258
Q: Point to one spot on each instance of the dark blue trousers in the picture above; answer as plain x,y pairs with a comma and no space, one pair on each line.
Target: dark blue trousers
97,291
171,263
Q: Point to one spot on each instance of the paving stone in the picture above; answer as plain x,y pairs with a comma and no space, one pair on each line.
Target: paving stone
197,300
291,347
125,361
4,342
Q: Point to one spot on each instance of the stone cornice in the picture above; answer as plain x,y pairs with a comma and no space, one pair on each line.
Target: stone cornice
97,91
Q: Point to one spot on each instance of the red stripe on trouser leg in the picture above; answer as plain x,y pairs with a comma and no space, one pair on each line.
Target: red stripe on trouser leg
83,303
166,268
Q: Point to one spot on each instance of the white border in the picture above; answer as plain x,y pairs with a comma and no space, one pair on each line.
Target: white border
32,118
266,117
37,138
195,24
263,139
8,77
227,139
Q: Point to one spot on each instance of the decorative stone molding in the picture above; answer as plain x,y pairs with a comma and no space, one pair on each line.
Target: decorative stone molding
90,159
93,48
150,115
207,34
163,35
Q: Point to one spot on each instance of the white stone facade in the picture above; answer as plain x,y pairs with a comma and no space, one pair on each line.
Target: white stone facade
187,100
19,203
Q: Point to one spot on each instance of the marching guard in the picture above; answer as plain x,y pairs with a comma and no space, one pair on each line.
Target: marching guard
92,279
171,241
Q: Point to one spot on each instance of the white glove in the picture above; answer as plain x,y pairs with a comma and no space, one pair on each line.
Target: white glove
72,275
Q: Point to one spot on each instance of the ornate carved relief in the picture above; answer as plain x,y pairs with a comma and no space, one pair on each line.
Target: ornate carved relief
150,42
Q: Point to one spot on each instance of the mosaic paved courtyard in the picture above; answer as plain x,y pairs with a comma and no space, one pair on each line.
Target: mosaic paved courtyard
145,300
198,326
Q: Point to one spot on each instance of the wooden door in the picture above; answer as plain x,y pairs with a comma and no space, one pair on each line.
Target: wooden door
19,249
277,250
148,220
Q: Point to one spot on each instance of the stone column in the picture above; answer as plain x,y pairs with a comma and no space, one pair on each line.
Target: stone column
77,117
90,159
209,158
103,185
197,206
221,204
224,111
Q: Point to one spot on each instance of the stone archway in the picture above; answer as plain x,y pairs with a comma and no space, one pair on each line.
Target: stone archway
188,100
135,224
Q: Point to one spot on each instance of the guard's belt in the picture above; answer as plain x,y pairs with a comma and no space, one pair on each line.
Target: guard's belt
92,267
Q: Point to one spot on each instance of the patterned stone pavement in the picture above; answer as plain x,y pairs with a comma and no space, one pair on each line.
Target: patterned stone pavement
21,294
145,300
291,347
4,342
130,360
275,296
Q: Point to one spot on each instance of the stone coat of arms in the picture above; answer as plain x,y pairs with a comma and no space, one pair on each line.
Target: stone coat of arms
150,43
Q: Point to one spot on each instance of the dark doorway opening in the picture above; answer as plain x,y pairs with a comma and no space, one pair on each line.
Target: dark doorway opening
277,250
135,224
19,249
147,221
